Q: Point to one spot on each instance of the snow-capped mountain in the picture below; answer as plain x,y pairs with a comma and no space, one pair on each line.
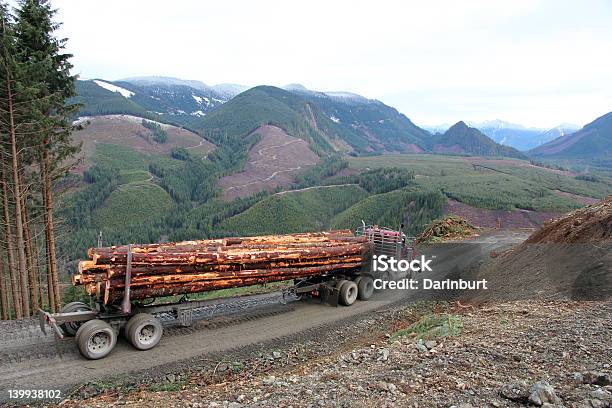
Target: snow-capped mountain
114,88
228,91
166,81
513,134
594,140
148,95
499,124
344,97
434,129
558,131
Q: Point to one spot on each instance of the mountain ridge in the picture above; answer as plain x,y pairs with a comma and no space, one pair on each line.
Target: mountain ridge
330,121
593,140
515,135
463,139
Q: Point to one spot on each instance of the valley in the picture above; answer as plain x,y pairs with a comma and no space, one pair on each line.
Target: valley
200,209
217,173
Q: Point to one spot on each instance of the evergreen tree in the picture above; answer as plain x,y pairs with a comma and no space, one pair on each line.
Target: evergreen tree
12,94
48,67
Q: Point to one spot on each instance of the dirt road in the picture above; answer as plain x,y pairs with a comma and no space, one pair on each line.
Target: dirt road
29,360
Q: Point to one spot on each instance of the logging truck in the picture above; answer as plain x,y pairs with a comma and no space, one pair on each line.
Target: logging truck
124,281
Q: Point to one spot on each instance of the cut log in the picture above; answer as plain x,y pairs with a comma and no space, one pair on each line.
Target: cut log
237,255
191,245
146,292
196,266
177,270
278,273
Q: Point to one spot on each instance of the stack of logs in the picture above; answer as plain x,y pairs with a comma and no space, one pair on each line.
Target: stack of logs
198,266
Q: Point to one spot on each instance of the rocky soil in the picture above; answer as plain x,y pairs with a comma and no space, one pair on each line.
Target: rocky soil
592,224
570,257
530,352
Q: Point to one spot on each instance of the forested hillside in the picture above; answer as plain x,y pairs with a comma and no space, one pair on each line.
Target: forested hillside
173,102
267,105
463,139
95,100
374,126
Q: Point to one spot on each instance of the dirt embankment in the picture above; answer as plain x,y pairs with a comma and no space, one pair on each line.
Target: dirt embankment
482,217
274,161
591,224
507,355
570,257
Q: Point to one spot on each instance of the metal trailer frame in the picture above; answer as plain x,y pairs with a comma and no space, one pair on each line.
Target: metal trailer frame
326,287
321,286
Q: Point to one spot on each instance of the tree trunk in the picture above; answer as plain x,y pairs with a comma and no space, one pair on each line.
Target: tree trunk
52,275
32,265
3,293
21,256
41,292
10,254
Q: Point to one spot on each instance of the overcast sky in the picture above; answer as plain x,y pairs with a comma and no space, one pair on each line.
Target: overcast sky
539,63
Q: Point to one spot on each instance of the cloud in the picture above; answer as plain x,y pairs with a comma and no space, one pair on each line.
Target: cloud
534,62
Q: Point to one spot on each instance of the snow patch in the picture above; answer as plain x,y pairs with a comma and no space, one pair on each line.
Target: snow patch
334,119
129,118
80,120
198,99
198,113
114,88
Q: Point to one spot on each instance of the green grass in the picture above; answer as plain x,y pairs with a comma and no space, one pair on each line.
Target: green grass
556,181
433,326
133,176
119,157
132,204
421,164
309,210
128,160
167,386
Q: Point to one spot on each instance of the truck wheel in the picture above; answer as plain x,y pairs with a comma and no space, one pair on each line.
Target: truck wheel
143,331
340,283
365,286
96,339
348,293
70,328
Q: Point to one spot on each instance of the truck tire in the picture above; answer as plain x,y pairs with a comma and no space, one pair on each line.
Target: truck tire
365,286
71,328
340,283
143,331
348,293
96,339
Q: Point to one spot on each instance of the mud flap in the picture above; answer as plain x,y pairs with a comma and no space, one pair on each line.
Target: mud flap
329,295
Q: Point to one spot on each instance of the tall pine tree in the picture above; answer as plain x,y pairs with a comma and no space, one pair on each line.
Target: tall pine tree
13,93
48,67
